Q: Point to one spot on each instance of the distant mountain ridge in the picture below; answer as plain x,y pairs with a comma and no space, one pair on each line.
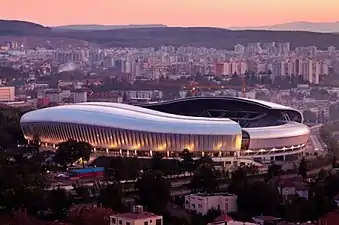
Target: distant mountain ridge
106,27
178,36
21,28
330,27
199,37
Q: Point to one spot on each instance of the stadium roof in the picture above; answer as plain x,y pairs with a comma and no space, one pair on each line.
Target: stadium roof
262,103
290,129
132,118
267,104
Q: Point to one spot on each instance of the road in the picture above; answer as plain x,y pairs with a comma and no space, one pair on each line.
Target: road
316,145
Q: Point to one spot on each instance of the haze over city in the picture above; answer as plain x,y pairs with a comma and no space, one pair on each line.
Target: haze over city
215,13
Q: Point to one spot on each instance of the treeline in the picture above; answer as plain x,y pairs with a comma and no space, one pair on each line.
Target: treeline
10,130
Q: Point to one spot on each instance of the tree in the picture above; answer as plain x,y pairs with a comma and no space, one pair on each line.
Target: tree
84,151
334,161
66,153
111,197
204,160
310,116
167,166
205,179
10,129
303,167
36,143
153,191
321,202
71,151
120,168
322,174
259,198
22,180
157,161
98,216
238,181
274,170
88,214
187,163
60,201
83,192
299,210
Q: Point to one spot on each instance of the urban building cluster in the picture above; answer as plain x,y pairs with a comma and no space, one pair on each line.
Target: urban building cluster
263,62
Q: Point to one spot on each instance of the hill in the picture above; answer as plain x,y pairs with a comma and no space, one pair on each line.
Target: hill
332,27
21,28
150,36
199,36
105,27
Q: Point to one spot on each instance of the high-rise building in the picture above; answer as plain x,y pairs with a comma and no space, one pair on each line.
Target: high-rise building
219,69
308,70
227,68
316,72
331,49
239,49
298,67
283,48
253,48
7,94
324,69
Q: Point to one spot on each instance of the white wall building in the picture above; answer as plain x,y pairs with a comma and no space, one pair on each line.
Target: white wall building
54,96
138,217
79,96
201,203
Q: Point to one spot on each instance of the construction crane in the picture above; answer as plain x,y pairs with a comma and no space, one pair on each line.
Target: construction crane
195,86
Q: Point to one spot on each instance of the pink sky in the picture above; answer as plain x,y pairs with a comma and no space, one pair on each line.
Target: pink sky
216,13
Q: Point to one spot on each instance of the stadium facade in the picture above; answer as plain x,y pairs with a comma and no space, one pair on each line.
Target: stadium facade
214,126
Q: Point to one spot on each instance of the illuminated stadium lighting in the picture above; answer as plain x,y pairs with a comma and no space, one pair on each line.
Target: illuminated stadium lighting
224,125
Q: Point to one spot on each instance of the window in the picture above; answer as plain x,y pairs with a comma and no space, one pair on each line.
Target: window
114,220
128,223
150,221
193,206
146,223
158,222
120,222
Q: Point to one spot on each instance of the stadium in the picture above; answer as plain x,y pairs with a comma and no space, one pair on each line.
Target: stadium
220,127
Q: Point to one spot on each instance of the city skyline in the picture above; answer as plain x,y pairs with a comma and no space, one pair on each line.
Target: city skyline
187,13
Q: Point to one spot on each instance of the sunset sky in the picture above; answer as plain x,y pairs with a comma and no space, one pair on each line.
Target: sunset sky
216,13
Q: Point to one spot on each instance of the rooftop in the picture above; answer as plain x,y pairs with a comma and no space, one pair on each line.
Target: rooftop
266,218
223,218
130,117
136,215
262,103
213,194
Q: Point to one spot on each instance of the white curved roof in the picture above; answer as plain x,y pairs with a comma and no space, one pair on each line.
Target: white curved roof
267,104
290,129
132,118
289,134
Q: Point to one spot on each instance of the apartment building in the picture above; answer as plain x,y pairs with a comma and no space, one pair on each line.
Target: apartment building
202,202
